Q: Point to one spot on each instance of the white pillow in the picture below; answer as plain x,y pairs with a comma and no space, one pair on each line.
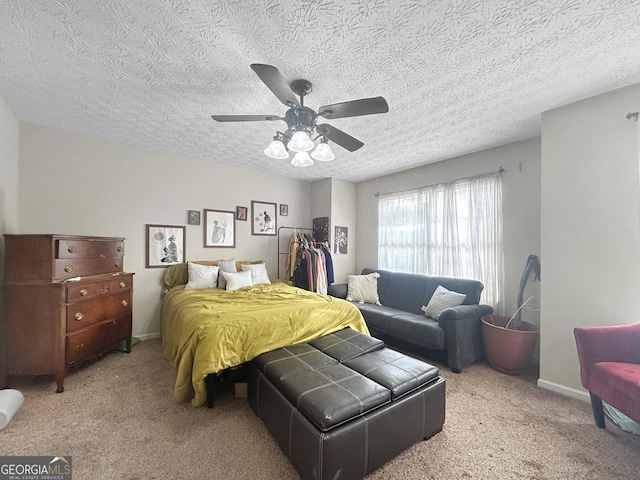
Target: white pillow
441,300
363,288
201,276
258,273
226,266
237,280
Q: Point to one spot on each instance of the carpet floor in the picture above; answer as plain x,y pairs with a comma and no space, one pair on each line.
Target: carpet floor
118,419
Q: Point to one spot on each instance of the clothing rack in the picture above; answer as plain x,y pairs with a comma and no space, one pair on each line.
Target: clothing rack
295,230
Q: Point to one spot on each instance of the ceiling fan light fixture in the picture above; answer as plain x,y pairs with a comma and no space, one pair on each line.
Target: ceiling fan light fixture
276,150
302,159
323,152
300,142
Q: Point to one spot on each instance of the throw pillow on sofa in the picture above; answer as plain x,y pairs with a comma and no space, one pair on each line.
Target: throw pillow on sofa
363,288
441,300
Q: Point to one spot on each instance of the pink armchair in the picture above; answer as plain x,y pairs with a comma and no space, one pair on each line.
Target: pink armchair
610,368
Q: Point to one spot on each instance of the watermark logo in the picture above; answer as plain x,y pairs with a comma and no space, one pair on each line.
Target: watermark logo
35,468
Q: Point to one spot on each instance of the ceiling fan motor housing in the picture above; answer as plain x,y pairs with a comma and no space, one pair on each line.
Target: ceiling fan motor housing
300,119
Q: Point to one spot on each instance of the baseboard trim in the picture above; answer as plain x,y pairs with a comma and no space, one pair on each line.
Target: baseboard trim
566,391
148,336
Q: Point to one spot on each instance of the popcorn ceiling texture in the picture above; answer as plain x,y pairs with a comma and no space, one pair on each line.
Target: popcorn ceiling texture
459,75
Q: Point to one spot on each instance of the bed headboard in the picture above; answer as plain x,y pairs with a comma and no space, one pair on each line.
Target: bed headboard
178,274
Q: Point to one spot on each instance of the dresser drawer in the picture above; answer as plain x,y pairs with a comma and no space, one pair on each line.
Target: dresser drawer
84,314
79,248
121,283
85,291
85,267
88,342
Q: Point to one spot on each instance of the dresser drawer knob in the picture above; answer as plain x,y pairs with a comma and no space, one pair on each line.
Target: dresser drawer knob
124,303
119,249
123,284
72,249
68,268
117,264
83,292
79,316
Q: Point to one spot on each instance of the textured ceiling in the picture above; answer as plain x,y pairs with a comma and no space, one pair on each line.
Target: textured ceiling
459,76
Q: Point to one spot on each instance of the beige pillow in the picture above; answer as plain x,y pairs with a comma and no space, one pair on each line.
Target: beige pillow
202,276
441,300
363,288
226,266
237,280
258,273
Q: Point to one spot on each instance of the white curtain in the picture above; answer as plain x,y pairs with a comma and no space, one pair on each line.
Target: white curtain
451,229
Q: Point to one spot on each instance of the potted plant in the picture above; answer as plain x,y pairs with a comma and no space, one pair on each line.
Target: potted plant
509,342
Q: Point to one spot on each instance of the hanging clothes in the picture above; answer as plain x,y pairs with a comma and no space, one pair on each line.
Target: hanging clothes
328,263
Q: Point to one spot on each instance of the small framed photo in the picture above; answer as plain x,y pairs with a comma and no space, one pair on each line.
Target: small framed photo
284,209
241,213
194,217
263,218
165,245
219,228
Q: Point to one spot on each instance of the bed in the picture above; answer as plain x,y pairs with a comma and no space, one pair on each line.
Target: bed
207,331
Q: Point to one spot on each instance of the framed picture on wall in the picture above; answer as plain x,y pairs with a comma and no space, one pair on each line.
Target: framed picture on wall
263,218
340,240
219,228
241,213
284,209
165,245
194,217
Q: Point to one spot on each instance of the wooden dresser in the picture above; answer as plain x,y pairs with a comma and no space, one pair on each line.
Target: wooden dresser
66,299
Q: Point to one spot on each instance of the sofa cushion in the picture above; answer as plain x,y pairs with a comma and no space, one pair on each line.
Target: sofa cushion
418,329
405,291
331,395
396,371
377,316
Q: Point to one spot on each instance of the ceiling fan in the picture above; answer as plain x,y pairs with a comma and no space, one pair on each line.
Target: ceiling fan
302,121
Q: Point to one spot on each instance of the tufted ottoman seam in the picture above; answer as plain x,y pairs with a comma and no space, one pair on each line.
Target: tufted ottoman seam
333,382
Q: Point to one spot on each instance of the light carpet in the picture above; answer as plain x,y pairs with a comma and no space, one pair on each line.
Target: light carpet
117,419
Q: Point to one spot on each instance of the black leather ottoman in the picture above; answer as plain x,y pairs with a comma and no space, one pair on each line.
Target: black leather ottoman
343,405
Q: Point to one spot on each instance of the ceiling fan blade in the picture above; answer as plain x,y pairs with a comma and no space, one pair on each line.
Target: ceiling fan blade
245,118
354,108
338,136
273,79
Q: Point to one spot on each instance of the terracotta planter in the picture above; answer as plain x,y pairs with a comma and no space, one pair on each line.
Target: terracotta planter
508,351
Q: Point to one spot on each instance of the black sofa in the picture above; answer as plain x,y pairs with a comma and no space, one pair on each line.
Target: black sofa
455,338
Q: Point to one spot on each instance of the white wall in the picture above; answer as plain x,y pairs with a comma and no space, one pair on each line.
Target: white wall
521,207
343,214
82,185
590,226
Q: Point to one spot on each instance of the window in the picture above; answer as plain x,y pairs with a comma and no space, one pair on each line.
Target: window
451,229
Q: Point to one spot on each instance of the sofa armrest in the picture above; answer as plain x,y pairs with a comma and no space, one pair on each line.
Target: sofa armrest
338,290
463,332
464,311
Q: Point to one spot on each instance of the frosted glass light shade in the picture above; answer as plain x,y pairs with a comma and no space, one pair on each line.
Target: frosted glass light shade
300,142
276,150
302,159
323,153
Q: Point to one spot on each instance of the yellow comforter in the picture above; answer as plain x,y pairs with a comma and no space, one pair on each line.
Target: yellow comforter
206,331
